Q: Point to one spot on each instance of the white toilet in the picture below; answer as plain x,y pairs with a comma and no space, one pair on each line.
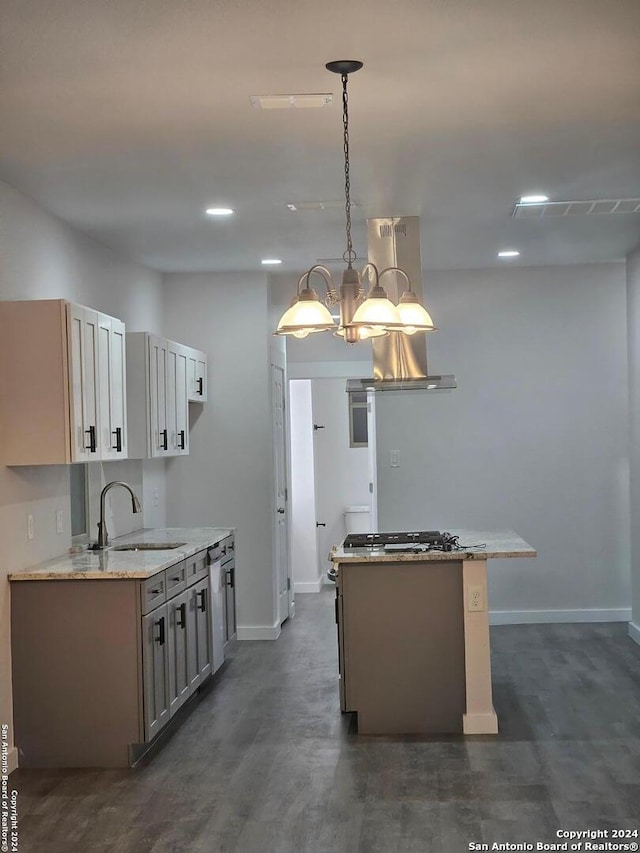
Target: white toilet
357,519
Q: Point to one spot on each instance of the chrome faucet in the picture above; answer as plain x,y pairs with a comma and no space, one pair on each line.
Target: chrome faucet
103,537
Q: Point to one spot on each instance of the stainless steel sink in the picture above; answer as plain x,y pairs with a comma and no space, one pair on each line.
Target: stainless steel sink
148,546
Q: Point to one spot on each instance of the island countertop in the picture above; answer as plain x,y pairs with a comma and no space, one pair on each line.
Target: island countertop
110,564
472,545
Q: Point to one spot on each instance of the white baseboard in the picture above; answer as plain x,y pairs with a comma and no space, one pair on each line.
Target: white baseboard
307,586
12,759
528,617
259,632
634,632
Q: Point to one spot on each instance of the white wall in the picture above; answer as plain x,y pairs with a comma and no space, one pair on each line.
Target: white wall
342,475
227,479
305,570
42,258
533,439
633,334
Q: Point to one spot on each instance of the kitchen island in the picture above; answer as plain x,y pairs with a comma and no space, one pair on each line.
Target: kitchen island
413,635
109,647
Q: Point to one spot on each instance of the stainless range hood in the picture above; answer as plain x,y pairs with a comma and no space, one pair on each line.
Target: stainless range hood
399,360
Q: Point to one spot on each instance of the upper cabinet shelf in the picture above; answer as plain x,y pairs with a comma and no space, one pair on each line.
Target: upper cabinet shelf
62,384
162,378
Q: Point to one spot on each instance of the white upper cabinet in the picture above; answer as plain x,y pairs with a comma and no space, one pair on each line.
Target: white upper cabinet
62,383
159,381
196,375
112,387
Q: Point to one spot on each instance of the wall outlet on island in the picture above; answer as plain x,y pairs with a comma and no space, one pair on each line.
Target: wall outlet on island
30,531
59,521
476,598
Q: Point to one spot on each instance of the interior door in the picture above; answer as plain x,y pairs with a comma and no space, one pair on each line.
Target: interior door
281,529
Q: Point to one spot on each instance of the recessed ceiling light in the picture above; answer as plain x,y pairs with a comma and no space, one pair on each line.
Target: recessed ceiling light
219,211
533,199
508,253
271,261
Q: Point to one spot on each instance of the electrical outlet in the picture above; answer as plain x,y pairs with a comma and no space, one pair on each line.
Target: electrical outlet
395,458
476,599
59,521
30,530
155,497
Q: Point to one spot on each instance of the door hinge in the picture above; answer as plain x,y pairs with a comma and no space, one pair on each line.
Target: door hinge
370,488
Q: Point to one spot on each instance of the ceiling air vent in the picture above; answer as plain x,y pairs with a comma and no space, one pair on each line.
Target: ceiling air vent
593,207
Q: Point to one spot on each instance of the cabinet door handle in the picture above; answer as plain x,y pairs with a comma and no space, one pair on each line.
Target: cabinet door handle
91,432
203,600
176,579
118,434
182,439
231,581
200,386
160,638
164,439
183,616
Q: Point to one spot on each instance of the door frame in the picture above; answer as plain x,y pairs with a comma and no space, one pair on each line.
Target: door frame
278,362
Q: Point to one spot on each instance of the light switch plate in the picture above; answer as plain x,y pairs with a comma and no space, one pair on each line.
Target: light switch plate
395,458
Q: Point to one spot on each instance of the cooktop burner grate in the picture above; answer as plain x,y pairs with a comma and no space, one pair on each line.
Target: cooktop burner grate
430,538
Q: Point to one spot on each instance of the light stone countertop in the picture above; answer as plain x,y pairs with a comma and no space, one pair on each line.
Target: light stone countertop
110,564
497,543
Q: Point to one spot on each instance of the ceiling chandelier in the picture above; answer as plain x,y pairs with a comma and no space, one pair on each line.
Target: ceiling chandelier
363,315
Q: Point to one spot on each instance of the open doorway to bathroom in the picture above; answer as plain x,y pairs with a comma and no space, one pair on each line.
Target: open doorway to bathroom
330,473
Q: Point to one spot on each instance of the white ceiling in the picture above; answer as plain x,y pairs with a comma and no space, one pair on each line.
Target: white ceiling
127,118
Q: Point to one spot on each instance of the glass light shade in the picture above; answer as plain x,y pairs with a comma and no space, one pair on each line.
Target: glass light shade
413,315
377,310
306,315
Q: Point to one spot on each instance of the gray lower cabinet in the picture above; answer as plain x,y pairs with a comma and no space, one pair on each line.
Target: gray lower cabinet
100,666
227,556
176,651
155,654
229,570
179,688
199,639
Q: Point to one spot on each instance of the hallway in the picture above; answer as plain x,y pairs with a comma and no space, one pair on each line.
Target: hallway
267,764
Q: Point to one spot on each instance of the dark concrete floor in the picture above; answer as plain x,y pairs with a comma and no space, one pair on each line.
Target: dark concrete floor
267,764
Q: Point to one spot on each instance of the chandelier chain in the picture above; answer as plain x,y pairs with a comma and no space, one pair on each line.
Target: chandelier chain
349,256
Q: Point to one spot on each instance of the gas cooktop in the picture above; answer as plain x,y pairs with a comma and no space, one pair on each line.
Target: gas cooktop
422,540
